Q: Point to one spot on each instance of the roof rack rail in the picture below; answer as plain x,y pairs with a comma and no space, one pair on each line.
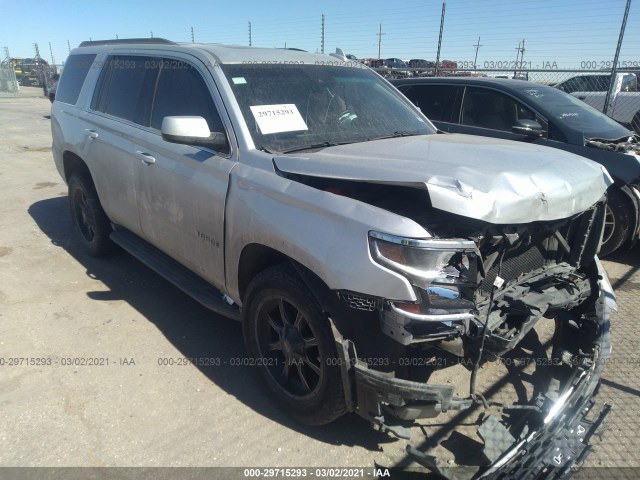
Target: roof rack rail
96,43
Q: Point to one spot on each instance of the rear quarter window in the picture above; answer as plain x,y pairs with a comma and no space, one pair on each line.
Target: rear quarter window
73,76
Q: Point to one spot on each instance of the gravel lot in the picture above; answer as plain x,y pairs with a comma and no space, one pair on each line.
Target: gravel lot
59,304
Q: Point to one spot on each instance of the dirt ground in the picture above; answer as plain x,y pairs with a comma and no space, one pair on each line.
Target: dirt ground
139,404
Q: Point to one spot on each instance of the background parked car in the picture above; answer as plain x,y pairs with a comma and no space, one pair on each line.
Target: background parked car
533,113
28,80
624,104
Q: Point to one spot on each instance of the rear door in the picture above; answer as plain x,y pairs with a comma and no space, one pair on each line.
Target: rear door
119,114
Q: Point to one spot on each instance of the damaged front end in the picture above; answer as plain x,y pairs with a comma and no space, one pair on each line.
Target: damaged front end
629,145
536,293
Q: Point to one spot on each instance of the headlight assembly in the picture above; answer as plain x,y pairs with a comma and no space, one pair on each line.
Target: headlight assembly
444,272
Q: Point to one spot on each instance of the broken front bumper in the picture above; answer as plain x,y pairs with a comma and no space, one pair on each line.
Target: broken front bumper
549,449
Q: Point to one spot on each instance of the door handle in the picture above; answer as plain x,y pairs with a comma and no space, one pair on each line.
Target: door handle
146,158
581,97
91,133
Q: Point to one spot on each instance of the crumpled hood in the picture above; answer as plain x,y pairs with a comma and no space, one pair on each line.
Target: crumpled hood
498,181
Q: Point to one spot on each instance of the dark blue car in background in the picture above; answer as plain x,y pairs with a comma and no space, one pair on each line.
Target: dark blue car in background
530,112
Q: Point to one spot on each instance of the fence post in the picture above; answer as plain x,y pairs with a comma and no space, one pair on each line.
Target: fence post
612,83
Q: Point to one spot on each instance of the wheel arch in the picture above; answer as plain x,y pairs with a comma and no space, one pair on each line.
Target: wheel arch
256,258
72,163
634,201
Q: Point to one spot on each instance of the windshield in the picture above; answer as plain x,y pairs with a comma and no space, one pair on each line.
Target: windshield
298,107
567,110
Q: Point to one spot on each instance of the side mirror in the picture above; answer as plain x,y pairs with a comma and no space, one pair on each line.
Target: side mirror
192,131
530,128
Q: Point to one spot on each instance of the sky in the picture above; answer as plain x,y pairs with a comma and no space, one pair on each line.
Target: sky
560,33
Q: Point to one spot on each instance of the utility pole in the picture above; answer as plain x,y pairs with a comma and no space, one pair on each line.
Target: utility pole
68,46
322,36
477,45
53,60
380,33
250,39
192,37
40,64
615,58
117,36
520,51
151,34
444,8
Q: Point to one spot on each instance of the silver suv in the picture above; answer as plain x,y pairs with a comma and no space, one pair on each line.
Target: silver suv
305,196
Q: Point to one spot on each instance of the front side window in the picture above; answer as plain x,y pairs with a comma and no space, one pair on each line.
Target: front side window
182,91
486,108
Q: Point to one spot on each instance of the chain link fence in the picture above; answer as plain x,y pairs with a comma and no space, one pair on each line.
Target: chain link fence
8,80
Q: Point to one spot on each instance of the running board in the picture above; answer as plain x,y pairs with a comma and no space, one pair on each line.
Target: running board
183,278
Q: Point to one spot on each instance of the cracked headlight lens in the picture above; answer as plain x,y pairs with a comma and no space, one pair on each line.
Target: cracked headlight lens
443,272
434,265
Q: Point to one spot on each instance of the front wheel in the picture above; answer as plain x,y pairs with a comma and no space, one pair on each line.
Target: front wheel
289,336
617,222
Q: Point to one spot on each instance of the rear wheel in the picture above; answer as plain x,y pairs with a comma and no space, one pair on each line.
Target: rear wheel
289,336
89,219
617,223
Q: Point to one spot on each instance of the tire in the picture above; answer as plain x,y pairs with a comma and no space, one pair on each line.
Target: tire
90,221
288,335
618,221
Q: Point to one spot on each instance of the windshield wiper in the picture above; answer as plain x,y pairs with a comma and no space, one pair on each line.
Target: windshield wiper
314,145
395,135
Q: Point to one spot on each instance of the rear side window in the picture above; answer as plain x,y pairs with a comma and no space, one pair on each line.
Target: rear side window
182,91
438,102
73,76
126,87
